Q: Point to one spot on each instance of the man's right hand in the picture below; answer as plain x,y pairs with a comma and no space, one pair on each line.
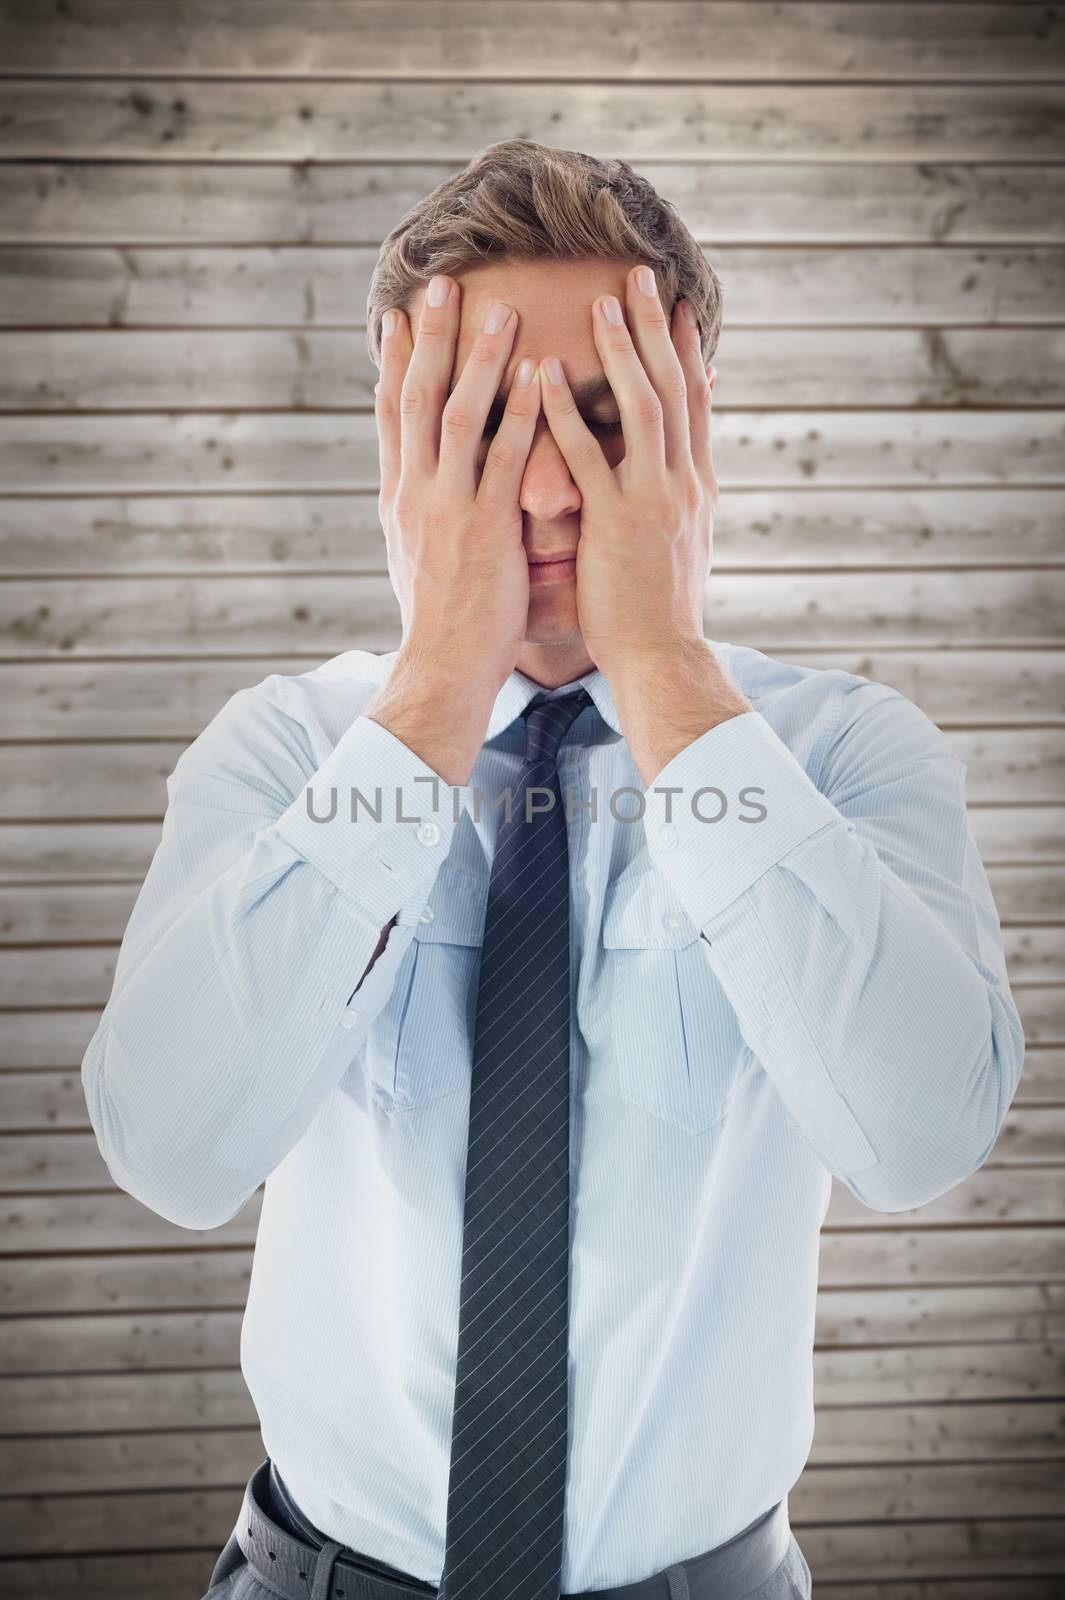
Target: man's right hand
453,532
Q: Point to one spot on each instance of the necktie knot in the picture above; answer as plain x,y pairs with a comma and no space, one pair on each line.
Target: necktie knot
548,721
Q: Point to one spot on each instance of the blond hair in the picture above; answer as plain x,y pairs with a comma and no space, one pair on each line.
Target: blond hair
531,202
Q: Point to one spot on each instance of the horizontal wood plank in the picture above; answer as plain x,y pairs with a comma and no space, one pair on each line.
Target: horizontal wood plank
174,452
842,529
44,1038
169,1575
191,1519
1035,955
255,614
314,369
128,780
915,1374
320,287
215,1457
80,1404
962,1489
914,1560
734,202
109,1220
103,699
867,1434
663,39
54,1162
84,974
147,1342
186,1340
1029,894
71,913
936,1560
68,852
1043,1077
1042,1011
217,1276
991,1194
403,120
151,1402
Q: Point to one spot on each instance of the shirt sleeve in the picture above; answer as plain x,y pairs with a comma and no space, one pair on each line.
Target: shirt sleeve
853,929
237,1003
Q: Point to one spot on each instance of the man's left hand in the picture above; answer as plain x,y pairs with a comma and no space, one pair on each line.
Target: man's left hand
647,528
646,524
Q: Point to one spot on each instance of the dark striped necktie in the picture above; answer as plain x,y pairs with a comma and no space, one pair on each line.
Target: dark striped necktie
507,1480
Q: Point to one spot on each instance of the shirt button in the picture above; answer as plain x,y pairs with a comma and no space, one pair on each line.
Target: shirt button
428,833
667,836
426,915
350,1018
673,919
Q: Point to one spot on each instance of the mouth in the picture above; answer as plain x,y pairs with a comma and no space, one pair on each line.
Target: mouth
552,569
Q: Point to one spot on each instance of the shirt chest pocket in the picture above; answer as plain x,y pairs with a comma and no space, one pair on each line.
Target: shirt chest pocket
420,1046
672,1033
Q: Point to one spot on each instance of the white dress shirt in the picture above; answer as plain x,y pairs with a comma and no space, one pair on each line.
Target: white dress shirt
812,984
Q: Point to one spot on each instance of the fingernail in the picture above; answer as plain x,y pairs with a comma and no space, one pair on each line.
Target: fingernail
439,289
553,368
688,310
524,375
612,309
497,317
388,323
645,280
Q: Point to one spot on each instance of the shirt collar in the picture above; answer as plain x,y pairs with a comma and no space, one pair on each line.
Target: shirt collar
518,690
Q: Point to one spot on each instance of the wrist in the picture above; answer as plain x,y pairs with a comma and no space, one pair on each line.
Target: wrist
444,671
689,665
436,713
666,699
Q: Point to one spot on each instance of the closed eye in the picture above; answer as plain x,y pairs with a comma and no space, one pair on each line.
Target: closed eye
606,429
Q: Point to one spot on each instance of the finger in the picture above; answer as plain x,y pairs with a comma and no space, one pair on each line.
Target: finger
650,329
589,467
642,412
427,376
396,348
508,454
462,425
689,349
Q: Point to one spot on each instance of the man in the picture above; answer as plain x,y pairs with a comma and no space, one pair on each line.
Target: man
548,967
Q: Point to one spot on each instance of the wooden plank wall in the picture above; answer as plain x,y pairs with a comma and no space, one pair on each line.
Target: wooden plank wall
191,199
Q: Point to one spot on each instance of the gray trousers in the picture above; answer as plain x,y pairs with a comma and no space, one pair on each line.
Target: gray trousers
273,1551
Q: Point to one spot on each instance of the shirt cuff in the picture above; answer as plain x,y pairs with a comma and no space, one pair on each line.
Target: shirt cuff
741,802
376,819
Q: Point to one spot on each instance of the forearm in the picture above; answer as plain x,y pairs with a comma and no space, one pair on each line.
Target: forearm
894,1051
857,942
217,1034
259,953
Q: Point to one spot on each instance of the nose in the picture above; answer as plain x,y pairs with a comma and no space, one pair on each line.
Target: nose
547,487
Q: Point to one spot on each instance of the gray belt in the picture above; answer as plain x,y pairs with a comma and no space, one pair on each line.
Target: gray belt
295,1570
